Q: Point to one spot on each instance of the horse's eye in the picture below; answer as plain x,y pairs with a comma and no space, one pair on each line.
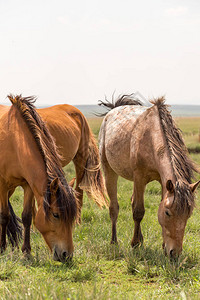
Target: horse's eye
167,213
55,215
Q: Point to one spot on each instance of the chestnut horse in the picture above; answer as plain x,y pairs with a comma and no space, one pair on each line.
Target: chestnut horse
29,158
143,144
76,143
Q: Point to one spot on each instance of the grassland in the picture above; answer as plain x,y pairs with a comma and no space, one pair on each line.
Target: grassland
103,271
191,131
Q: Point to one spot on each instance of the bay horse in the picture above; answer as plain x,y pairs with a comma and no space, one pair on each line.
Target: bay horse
143,144
29,158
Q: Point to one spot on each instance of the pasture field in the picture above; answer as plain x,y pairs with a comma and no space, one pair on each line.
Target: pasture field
103,271
191,131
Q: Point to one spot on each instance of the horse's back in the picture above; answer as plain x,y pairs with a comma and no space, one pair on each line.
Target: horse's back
65,123
61,114
116,138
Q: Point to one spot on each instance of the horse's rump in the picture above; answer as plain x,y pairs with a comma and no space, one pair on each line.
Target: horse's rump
76,142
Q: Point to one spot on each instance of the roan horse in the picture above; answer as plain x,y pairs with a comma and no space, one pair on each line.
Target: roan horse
29,158
143,144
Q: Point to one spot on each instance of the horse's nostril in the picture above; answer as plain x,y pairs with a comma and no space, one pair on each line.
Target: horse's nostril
55,255
64,255
171,253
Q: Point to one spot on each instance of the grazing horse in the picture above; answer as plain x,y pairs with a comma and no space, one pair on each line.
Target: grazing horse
76,143
29,158
143,144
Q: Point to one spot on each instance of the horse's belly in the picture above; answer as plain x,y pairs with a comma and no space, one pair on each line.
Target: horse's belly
117,151
121,170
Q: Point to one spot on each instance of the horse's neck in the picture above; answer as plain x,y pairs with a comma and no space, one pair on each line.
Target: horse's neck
29,161
162,159
166,171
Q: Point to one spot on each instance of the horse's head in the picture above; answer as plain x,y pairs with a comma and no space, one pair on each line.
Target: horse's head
55,221
174,210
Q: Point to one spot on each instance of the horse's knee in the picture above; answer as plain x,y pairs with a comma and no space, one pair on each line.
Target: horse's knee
138,214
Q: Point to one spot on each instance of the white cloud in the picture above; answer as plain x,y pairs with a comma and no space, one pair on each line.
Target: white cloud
176,11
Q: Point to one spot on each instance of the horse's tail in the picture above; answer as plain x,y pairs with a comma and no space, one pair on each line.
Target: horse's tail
93,182
14,229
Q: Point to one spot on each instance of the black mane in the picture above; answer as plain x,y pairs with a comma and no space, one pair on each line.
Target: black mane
120,101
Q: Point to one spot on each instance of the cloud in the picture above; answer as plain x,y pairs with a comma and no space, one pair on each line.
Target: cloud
176,11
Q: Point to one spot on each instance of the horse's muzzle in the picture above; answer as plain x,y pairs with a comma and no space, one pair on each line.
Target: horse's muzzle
61,255
172,253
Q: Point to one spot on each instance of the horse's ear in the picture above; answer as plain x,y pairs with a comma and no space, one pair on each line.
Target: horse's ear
170,186
54,186
193,186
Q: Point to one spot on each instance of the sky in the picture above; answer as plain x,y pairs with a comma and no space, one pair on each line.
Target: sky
77,52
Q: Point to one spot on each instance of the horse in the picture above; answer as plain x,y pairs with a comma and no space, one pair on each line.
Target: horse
29,158
75,142
142,144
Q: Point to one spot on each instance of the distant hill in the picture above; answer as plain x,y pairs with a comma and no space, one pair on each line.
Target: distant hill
177,110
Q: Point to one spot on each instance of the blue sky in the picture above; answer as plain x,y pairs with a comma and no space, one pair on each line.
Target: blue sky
78,51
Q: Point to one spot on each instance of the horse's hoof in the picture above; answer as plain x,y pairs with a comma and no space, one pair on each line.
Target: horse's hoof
2,249
26,249
114,242
135,244
27,256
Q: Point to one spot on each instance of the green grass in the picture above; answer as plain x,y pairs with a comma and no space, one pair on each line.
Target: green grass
190,128
103,271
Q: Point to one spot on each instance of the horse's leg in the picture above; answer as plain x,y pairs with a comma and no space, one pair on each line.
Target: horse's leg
4,215
34,210
138,210
111,185
79,168
27,217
